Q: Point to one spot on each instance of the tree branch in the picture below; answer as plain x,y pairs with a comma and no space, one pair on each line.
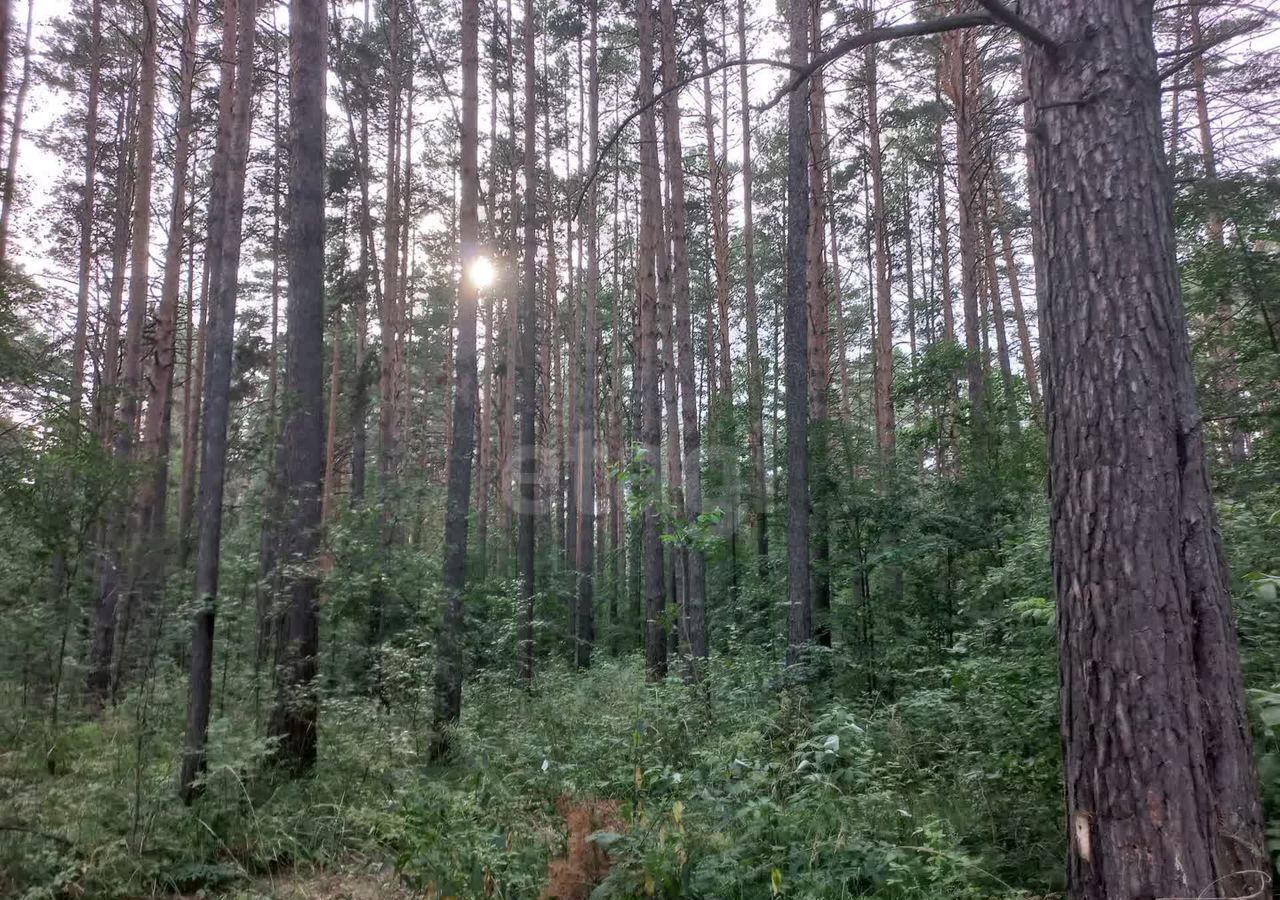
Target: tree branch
1004,14
658,98
876,36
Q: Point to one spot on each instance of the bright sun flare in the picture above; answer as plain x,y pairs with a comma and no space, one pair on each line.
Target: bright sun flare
482,273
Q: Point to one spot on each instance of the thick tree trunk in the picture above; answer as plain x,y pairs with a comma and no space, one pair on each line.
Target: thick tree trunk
1160,792
297,707
226,212
799,612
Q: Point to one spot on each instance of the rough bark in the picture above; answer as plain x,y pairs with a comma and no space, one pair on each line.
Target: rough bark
1161,797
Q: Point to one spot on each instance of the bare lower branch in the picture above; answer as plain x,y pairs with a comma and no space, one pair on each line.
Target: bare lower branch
1004,14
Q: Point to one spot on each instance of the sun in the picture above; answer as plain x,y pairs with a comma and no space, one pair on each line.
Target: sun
482,272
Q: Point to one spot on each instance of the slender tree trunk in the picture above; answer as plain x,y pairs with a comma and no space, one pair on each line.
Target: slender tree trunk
1029,368
297,708
997,318
153,489
226,212
80,344
194,392
799,611
884,414
819,354
960,53
1161,796
695,589
655,636
586,460
449,664
122,522
755,371
527,362
15,138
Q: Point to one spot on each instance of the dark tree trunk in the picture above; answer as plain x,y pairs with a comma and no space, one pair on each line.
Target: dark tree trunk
527,362
226,211
1161,796
585,637
448,674
297,708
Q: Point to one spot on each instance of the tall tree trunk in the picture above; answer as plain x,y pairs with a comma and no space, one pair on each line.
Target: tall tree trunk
80,344
1029,368
226,212
15,139
449,664
695,588
883,388
297,708
960,53
755,371
122,524
586,459
528,361
153,490
799,611
1161,797
997,317
819,352
655,637
193,394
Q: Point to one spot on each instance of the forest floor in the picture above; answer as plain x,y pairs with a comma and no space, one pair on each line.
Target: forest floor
759,782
